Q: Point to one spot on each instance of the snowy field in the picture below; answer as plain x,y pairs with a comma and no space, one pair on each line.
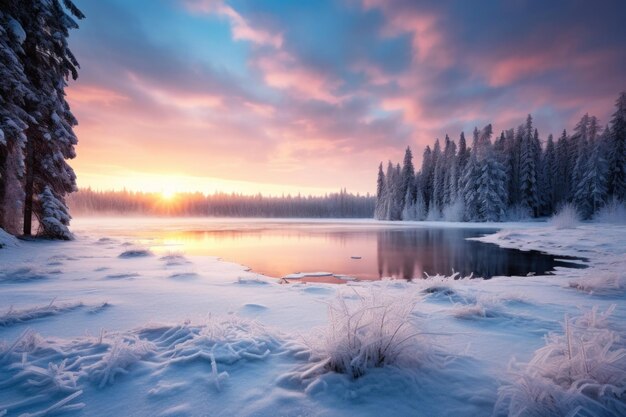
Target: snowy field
100,326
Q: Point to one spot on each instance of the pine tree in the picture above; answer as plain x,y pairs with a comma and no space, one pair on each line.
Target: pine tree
408,177
397,194
580,137
55,217
379,212
514,151
14,89
549,176
469,183
528,169
592,192
450,173
427,175
491,188
49,63
438,181
562,171
616,151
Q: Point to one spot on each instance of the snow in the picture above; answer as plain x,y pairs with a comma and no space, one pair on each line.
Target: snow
6,239
84,331
300,275
17,30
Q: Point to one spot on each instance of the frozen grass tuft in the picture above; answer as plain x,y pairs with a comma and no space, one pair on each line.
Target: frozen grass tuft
601,283
454,212
613,212
566,218
174,259
374,330
124,352
12,316
580,372
22,274
45,371
135,253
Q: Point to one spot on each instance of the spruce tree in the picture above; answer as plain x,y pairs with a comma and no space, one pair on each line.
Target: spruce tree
469,182
379,211
438,181
528,169
49,63
616,151
491,188
450,173
408,177
592,192
549,176
427,174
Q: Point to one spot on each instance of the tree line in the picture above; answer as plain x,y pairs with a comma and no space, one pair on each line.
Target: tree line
513,176
36,124
334,205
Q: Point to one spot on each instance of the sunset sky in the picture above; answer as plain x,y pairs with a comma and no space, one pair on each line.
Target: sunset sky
288,96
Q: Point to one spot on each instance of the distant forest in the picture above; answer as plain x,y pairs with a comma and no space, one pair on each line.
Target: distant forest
515,176
335,205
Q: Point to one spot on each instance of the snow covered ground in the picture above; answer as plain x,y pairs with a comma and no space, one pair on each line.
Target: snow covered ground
100,326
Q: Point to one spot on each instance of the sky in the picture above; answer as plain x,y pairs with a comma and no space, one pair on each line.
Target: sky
309,96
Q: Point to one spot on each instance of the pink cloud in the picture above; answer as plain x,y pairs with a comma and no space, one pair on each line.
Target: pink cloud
283,71
94,94
240,27
429,43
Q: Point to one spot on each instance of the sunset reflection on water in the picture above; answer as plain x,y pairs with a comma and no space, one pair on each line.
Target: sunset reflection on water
278,248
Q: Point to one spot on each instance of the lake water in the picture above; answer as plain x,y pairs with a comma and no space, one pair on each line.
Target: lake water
359,249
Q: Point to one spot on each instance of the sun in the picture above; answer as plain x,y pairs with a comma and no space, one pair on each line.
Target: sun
168,194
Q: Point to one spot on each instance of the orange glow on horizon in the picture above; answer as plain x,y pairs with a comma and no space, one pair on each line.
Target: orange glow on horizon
168,195
168,186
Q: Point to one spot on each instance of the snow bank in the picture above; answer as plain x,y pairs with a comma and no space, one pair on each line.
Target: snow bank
72,364
601,282
6,239
301,275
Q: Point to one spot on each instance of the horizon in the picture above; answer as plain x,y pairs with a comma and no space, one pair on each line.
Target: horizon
204,95
166,194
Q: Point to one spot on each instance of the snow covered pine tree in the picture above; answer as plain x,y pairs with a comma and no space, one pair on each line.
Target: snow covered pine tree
38,61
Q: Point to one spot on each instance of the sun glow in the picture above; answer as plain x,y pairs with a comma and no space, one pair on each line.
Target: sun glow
168,195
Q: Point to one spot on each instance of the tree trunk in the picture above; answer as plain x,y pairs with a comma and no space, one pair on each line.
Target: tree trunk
28,188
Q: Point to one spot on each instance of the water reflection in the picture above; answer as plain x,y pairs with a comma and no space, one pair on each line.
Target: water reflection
281,249
412,253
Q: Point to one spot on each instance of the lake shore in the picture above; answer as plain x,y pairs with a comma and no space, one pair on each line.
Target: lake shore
83,301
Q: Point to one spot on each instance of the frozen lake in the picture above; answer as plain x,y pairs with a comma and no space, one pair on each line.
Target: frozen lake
361,249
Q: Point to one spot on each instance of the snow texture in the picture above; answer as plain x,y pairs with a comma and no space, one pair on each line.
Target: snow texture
17,30
232,340
6,239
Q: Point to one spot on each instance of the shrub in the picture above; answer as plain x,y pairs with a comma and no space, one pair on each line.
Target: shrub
566,218
375,330
454,212
613,212
581,372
